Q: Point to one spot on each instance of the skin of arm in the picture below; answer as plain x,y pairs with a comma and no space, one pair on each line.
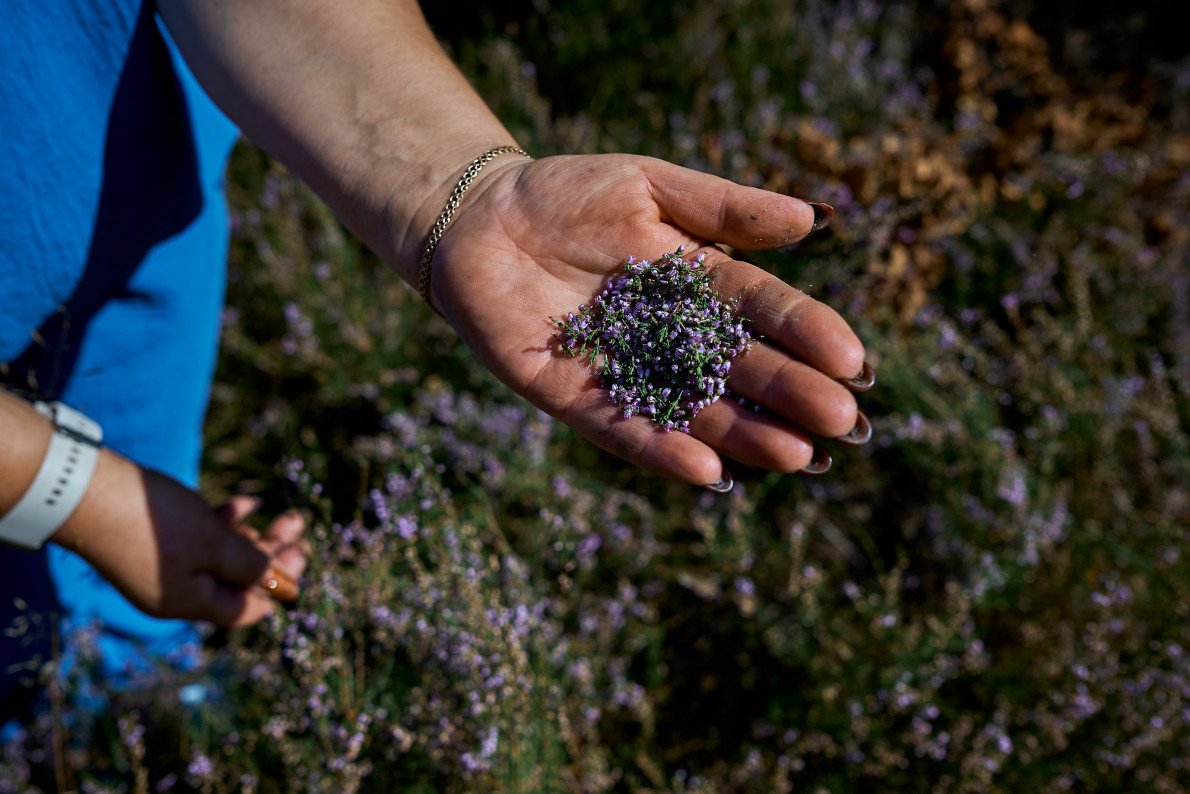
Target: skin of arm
165,549
24,438
360,101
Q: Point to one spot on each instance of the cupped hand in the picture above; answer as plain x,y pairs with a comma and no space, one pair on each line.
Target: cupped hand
539,238
174,556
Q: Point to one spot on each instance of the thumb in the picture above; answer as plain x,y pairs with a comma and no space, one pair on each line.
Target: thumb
720,211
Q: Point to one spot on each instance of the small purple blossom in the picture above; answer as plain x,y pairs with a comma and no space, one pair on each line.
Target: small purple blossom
201,768
665,340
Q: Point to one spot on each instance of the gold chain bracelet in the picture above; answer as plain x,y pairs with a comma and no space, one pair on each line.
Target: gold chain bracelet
452,205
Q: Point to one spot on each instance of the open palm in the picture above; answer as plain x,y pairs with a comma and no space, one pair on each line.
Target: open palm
538,238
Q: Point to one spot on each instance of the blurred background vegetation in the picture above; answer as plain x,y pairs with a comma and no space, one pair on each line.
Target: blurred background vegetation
993,595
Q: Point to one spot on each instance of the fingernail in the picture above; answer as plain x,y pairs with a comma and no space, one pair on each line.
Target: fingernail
280,585
722,486
860,434
865,380
820,463
822,214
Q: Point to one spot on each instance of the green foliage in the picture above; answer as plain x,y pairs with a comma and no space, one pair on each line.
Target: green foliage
993,595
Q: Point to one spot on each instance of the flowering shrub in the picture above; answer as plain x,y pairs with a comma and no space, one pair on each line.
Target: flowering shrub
992,596
665,339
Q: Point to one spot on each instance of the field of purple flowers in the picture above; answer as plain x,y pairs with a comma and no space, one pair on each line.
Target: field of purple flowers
994,595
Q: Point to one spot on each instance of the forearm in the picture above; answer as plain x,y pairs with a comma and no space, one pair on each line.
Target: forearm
356,98
24,440
156,540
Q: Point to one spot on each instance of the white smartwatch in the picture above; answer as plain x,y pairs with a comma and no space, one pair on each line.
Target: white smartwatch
60,482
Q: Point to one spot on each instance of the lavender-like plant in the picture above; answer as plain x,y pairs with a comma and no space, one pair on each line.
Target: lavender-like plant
662,339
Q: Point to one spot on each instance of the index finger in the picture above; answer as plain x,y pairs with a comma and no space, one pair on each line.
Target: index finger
806,329
721,211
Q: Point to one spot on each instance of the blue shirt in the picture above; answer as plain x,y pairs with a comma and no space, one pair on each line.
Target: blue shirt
113,238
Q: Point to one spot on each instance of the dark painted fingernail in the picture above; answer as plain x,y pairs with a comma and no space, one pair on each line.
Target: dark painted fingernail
280,585
819,464
865,380
822,215
722,486
860,434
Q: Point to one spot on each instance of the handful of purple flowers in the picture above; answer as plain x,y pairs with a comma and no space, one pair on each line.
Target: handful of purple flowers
662,339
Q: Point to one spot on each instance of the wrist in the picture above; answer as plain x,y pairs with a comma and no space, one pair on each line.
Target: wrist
62,477
110,486
416,193
457,195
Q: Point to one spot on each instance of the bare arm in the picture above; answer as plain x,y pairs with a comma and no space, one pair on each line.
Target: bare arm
156,540
358,99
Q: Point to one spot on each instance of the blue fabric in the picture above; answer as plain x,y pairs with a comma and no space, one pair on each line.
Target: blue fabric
113,238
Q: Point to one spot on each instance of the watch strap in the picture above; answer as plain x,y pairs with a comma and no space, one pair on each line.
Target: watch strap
61,481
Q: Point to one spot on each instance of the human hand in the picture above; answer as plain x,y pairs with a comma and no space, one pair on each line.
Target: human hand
173,556
538,238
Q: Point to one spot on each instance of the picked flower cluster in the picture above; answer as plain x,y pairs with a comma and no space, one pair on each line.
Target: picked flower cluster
662,339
